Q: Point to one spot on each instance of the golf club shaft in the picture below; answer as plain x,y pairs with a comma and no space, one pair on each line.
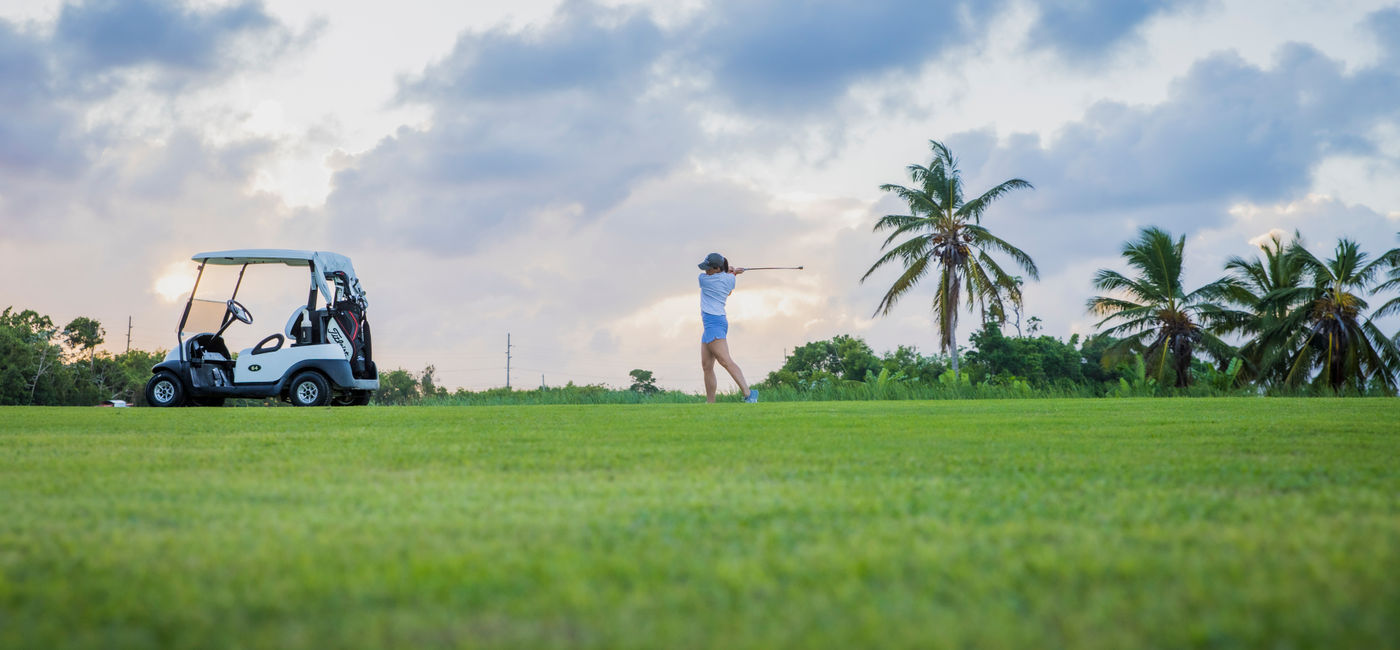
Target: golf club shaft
772,268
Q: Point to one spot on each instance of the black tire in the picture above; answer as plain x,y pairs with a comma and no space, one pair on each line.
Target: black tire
356,398
309,389
165,389
207,401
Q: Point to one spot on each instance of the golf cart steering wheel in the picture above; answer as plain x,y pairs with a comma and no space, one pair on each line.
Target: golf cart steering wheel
240,312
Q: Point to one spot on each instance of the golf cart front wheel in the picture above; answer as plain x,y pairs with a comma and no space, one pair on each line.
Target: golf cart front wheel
309,389
164,389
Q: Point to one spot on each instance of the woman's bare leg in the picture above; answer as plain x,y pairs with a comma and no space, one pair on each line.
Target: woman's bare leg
707,363
719,349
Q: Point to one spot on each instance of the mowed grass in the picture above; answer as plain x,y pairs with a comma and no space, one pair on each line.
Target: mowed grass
990,524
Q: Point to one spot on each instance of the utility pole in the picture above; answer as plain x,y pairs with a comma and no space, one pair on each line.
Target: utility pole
507,359
128,334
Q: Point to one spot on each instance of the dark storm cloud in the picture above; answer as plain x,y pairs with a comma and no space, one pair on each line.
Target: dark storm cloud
584,48
1229,132
35,128
1083,29
556,119
463,183
53,158
1385,25
798,56
103,35
571,116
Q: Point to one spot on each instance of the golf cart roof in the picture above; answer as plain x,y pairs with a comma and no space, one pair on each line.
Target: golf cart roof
259,256
326,262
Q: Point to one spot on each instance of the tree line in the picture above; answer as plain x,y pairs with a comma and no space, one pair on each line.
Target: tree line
45,364
1302,320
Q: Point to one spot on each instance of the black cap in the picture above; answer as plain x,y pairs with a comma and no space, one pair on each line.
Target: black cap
712,261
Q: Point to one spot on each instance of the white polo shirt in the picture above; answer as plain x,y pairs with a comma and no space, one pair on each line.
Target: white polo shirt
714,290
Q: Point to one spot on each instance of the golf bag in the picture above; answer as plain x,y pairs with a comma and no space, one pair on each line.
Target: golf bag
349,315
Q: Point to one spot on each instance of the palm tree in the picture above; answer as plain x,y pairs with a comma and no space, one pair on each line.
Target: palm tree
947,236
1391,257
1253,284
1336,338
1155,313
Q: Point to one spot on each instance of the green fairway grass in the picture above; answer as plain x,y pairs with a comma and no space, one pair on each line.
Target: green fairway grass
1215,523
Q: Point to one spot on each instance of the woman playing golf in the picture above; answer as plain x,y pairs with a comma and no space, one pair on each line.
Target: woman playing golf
716,283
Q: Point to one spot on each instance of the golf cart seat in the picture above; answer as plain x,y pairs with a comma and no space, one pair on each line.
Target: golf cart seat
298,328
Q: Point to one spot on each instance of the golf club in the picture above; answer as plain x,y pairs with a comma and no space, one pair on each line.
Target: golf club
772,268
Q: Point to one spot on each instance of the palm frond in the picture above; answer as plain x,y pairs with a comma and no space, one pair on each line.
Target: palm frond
1110,280
916,248
919,201
973,209
906,281
985,239
896,221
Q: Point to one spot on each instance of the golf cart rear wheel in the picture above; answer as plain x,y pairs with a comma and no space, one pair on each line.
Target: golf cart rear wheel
164,389
356,398
309,389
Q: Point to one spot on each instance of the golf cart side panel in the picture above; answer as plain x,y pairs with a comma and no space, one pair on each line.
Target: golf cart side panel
336,371
253,368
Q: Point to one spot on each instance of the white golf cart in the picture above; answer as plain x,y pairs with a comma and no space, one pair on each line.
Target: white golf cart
321,357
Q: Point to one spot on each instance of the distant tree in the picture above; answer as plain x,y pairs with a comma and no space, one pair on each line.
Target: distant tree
907,360
427,383
1256,290
32,355
946,235
82,335
1018,303
1336,338
397,387
1100,367
841,357
1154,313
1041,361
16,365
643,382
126,374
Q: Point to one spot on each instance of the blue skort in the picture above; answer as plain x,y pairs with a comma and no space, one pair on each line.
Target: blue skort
716,327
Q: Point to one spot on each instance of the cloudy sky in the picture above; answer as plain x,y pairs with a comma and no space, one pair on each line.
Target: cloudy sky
555,170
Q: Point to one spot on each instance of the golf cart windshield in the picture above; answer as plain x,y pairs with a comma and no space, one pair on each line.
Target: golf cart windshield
205,316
